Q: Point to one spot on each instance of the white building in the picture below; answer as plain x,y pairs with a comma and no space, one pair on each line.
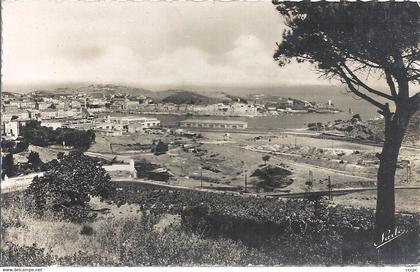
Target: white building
129,124
56,114
42,105
51,124
74,104
108,132
11,129
20,114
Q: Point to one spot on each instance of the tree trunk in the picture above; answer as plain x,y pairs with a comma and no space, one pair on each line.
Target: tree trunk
395,127
385,205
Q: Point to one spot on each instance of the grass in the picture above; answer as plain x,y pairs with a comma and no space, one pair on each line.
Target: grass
120,237
138,235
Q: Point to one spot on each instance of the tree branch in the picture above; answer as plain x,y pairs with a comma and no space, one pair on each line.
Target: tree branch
391,84
357,81
358,93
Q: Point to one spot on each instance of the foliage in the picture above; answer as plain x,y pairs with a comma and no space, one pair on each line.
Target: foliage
317,227
8,167
351,42
137,243
186,97
270,177
161,148
32,124
79,139
266,158
21,146
38,135
24,256
224,229
7,144
34,160
87,230
68,185
148,170
363,36
14,147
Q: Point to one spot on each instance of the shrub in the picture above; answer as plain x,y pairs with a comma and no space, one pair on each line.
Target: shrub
36,134
161,148
262,223
266,158
8,167
66,188
34,160
87,230
24,256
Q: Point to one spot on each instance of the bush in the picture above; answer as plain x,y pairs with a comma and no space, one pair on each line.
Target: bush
87,230
161,148
24,256
270,177
35,134
66,188
262,223
13,147
34,160
8,166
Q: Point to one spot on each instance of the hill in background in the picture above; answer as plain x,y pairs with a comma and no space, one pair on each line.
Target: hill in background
176,96
97,90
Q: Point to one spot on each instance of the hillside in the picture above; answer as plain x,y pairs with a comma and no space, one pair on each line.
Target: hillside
110,89
187,97
98,90
10,94
56,92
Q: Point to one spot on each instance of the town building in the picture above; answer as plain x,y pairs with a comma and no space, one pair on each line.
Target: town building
42,105
11,129
213,124
15,114
129,124
51,124
108,132
75,104
131,105
56,114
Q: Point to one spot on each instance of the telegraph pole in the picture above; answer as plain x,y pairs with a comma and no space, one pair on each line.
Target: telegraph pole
330,196
246,176
201,177
408,172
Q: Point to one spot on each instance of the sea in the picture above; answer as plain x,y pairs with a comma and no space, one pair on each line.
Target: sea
348,103
283,121
344,101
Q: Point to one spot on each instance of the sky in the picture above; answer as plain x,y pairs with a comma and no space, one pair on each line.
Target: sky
146,44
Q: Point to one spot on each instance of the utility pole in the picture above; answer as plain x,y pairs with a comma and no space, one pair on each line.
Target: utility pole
330,196
408,172
246,176
201,177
